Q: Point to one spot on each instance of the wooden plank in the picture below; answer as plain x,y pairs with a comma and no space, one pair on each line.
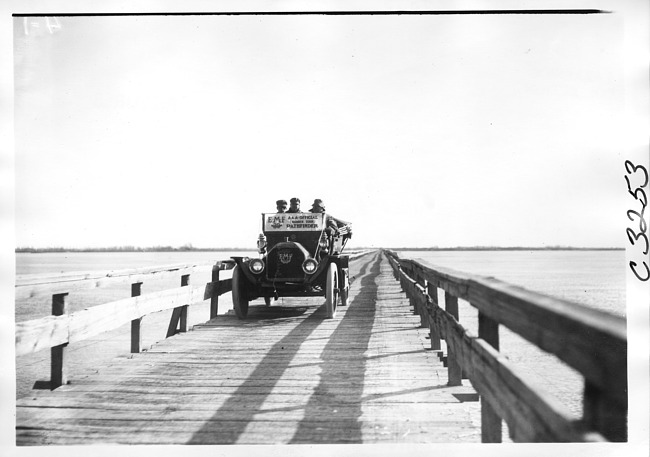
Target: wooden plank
520,406
167,415
28,286
184,268
38,334
225,286
241,432
454,282
532,413
569,331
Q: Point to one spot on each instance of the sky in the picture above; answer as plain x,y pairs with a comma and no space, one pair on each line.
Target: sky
428,130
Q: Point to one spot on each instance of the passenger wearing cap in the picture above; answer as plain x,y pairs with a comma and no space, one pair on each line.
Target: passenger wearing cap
333,224
317,206
281,206
294,205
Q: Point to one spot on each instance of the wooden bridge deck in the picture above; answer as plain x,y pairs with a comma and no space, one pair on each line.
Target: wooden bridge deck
285,375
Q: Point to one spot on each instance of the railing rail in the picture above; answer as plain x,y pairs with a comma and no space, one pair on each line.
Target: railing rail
29,286
592,342
60,329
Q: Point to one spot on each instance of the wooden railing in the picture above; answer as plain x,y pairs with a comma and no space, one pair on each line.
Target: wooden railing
60,329
592,342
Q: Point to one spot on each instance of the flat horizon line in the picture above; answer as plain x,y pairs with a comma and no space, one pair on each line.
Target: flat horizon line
223,249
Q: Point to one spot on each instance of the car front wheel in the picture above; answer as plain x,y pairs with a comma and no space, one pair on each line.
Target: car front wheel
239,293
331,290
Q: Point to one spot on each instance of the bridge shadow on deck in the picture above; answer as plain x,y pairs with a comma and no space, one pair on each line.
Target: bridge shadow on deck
318,424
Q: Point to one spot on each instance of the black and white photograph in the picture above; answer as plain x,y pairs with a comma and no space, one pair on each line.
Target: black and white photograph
327,228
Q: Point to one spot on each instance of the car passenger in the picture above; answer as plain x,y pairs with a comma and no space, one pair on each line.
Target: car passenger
294,206
318,206
281,206
333,224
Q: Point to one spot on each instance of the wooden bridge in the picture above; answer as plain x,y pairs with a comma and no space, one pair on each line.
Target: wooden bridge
392,367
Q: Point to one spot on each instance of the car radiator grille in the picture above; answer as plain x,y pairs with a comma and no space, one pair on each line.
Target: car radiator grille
285,264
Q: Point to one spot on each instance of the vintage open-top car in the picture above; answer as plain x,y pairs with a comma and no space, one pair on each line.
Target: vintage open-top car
300,256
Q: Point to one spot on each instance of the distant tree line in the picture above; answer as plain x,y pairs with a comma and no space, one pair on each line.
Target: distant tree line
184,248
508,248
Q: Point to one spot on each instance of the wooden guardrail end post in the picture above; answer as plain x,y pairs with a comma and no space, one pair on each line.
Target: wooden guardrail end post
214,299
491,422
488,330
454,372
178,321
604,414
173,322
185,281
424,315
434,333
136,324
182,327
413,304
58,375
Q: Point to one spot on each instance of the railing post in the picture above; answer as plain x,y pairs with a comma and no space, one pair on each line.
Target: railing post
402,279
179,315
136,324
424,314
491,423
603,414
413,296
454,372
214,299
185,281
420,297
434,333
58,375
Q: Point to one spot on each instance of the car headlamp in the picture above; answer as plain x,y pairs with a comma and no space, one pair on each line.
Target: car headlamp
309,266
323,241
261,244
256,266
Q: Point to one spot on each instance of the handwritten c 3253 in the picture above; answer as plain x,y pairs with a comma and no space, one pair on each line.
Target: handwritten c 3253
639,175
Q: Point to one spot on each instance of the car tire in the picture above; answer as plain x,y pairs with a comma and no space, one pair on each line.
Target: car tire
239,293
331,290
345,286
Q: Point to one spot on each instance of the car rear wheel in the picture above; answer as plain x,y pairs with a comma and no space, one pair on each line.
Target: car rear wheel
239,293
345,286
331,290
